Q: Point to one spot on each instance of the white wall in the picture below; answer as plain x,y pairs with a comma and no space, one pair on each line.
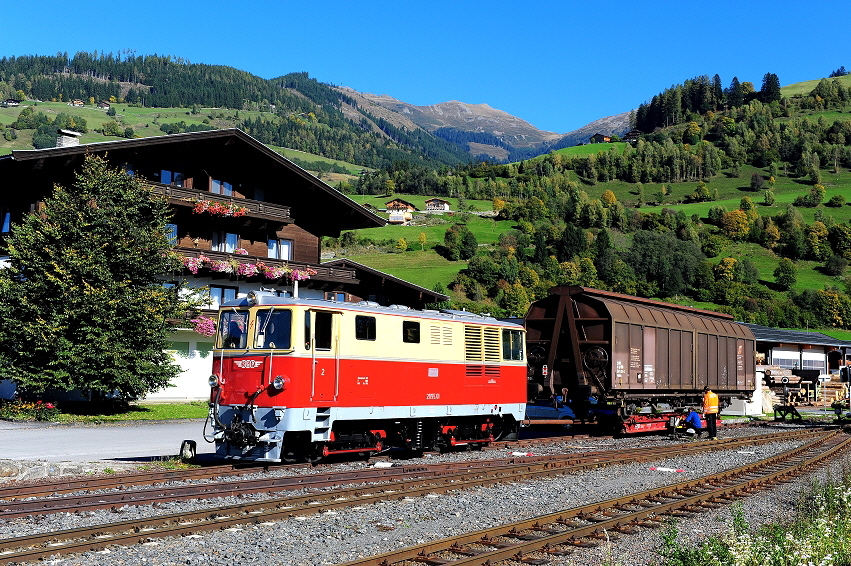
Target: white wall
194,354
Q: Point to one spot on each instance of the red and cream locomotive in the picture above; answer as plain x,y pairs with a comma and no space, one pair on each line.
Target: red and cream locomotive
303,379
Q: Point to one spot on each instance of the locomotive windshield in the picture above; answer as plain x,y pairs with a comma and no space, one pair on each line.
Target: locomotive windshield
233,325
274,329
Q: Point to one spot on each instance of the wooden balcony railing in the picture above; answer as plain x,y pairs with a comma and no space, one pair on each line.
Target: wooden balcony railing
323,273
256,208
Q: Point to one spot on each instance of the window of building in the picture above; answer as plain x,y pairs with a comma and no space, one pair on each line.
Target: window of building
814,364
512,345
324,321
259,194
220,294
171,233
5,221
410,332
280,249
174,178
274,329
221,188
365,327
336,296
225,242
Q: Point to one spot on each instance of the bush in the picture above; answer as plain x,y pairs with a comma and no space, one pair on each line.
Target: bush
28,410
836,265
836,201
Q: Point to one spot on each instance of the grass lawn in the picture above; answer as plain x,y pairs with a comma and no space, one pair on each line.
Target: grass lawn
143,412
806,87
421,268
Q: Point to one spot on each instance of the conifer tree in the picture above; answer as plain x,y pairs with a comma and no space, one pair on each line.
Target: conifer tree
84,304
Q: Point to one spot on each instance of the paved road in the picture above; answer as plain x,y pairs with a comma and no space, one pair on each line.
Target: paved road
140,441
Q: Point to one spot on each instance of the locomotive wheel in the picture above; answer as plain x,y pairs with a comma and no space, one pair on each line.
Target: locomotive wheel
314,454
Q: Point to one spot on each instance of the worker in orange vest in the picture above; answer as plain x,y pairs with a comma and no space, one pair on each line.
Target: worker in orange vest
710,412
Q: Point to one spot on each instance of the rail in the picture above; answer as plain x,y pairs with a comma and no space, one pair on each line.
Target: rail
257,208
324,273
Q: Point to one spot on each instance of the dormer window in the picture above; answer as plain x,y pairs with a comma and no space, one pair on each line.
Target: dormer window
221,188
173,178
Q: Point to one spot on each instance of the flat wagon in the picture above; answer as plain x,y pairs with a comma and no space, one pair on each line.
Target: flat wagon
624,360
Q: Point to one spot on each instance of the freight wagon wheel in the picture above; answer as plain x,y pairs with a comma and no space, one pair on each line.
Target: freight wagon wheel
595,358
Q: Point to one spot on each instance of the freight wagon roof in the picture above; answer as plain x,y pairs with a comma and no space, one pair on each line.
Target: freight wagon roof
636,310
269,299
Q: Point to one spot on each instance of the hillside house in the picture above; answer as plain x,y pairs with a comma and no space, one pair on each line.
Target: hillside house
76,102
103,104
600,138
437,205
11,103
632,136
283,212
400,211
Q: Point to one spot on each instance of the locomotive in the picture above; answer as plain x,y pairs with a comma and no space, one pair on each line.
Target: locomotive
627,362
301,379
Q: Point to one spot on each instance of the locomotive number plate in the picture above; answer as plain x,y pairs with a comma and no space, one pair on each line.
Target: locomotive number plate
247,364
432,396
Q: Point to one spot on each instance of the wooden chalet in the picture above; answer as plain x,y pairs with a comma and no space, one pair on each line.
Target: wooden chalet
632,136
437,205
600,138
400,211
233,199
378,287
11,103
103,104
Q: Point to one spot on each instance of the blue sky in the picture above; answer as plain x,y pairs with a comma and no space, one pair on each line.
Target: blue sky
556,64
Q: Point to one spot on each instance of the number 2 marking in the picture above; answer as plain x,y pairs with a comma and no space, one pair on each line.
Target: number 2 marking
323,371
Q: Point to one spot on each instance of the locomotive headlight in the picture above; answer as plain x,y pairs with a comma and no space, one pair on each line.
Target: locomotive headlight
252,298
213,380
279,382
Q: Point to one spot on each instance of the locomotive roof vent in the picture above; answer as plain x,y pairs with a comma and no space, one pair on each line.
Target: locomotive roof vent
368,304
400,307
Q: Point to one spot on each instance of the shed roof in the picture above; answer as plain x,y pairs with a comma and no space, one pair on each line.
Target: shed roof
784,336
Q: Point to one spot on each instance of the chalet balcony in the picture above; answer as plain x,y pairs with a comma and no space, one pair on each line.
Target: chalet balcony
258,209
323,273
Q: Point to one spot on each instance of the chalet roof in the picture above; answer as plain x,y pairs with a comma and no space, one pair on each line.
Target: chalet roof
315,205
400,201
783,336
435,199
348,263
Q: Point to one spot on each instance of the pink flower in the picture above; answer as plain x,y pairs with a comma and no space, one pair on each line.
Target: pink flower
247,269
204,325
240,251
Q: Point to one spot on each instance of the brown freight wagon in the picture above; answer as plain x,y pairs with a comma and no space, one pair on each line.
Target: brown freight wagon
627,352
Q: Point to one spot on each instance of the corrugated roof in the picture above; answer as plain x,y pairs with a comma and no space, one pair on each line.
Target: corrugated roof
783,336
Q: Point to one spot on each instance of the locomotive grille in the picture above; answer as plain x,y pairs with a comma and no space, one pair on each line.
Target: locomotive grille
447,335
481,344
473,343
492,353
435,335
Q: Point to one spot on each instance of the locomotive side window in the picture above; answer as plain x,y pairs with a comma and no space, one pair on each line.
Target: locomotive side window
410,332
233,325
365,327
512,345
323,330
274,329
307,330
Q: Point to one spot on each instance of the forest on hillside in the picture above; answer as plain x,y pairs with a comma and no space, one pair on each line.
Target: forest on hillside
563,236
308,114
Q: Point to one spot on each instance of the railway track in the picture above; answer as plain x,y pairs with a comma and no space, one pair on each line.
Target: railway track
16,505
33,547
540,539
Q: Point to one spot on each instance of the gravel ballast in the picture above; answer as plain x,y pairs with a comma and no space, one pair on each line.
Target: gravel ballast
331,538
